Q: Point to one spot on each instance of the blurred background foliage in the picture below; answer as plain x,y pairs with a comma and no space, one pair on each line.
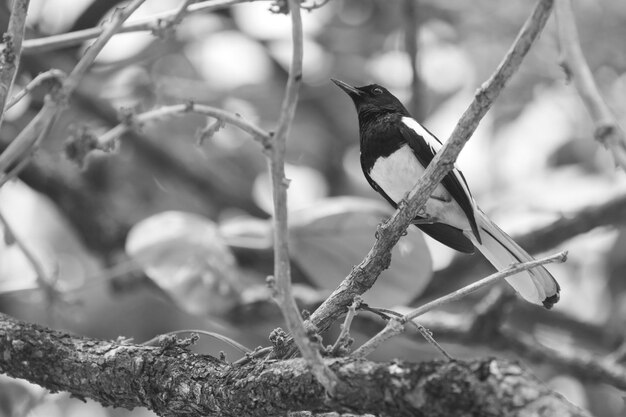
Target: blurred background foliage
532,160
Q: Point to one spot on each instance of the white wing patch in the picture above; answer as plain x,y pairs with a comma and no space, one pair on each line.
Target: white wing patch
435,145
432,141
397,174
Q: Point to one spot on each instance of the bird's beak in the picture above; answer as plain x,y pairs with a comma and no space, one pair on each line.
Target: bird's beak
351,91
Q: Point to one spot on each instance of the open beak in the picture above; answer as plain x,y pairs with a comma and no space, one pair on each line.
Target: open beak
351,91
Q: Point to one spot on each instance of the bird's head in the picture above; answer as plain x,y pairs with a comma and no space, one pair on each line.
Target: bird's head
372,99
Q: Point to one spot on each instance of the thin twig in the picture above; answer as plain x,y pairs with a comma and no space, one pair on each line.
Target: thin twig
179,109
49,43
43,280
282,272
22,147
423,331
394,327
344,334
183,9
428,335
34,83
411,30
214,335
364,275
485,282
390,330
315,5
607,128
12,51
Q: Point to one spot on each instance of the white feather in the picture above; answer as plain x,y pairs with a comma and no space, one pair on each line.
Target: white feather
534,285
397,174
435,145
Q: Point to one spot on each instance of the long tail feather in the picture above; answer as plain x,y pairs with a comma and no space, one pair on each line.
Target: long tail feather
536,285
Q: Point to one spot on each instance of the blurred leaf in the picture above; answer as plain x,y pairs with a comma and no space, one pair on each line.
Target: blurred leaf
18,397
306,185
184,254
327,240
247,232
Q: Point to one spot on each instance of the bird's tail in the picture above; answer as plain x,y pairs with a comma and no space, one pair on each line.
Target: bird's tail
535,285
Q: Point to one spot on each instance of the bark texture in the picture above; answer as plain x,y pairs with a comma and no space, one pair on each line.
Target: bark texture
172,381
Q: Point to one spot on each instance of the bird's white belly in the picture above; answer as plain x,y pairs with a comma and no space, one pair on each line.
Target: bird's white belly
397,174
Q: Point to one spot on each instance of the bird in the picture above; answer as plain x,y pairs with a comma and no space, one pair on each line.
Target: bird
395,151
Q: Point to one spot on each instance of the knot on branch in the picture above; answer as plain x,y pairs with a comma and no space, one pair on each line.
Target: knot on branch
126,116
210,129
603,131
279,338
170,341
8,51
82,143
279,7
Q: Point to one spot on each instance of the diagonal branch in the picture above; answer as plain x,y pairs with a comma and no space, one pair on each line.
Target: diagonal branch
608,131
17,154
12,50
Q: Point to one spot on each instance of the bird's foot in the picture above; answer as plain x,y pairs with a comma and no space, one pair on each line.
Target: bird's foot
425,220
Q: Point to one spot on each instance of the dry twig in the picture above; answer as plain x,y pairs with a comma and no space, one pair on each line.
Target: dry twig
20,150
145,24
391,329
608,131
282,269
12,41
256,132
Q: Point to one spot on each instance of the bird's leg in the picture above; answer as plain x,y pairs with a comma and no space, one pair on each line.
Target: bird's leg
424,218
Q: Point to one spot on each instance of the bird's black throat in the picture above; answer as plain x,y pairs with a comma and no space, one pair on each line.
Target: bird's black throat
378,136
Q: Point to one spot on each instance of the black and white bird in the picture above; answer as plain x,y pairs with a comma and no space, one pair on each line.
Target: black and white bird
395,151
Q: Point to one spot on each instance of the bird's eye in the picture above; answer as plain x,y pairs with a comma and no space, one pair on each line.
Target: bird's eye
377,90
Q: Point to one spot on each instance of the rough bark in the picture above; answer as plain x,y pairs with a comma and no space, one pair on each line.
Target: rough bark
171,380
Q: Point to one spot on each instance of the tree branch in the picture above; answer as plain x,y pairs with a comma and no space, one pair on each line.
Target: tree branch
50,43
391,329
12,41
24,145
608,131
282,267
179,109
170,380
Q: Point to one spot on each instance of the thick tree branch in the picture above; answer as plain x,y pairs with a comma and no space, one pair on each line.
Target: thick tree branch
172,381
608,131
364,275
